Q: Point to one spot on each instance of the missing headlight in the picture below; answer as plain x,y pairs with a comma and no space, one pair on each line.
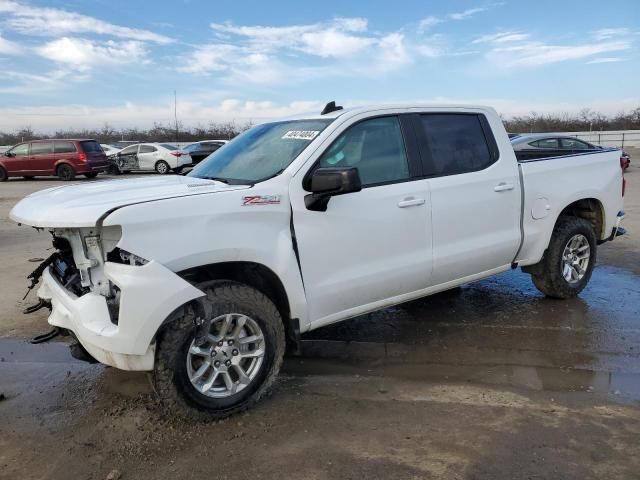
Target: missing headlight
118,255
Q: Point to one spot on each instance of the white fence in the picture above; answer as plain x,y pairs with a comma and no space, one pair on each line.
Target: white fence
619,139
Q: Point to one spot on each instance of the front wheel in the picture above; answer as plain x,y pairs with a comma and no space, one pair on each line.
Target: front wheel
209,368
568,263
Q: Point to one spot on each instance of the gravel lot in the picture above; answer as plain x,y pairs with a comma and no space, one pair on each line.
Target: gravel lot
488,381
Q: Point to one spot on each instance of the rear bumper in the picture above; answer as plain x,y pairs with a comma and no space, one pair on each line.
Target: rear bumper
149,294
617,229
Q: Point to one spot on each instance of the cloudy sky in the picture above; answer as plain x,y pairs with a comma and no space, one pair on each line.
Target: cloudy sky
80,63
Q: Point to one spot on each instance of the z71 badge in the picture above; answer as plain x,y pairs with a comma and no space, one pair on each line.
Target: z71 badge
260,200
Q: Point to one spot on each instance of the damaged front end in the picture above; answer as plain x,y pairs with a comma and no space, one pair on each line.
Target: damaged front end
110,300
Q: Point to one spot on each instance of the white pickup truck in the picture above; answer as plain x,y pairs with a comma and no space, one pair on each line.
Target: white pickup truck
203,279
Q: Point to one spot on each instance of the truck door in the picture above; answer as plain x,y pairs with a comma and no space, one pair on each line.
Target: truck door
475,194
371,245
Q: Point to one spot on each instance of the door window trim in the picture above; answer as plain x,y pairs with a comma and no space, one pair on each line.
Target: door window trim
425,151
409,142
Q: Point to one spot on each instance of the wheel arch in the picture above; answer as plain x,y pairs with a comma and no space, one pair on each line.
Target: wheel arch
255,275
590,209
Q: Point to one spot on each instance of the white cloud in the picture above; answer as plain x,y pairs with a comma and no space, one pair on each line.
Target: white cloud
42,21
605,60
517,49
428,22
609,33
503,37
342,37
82,54
7,47
470,12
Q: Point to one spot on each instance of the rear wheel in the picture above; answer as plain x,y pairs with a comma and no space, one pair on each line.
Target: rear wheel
568,263
3,175
91,175
65,172
209,368
162,167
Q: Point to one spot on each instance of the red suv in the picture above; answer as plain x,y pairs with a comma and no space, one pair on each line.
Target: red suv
64,158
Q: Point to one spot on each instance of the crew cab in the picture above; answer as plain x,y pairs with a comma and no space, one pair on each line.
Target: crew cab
299,223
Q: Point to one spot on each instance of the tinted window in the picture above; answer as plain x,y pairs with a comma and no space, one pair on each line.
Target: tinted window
209,147
65,147
20,149
147,149
91,147
375,147
131,149
546,143
41,148
455,144
573,144
168,147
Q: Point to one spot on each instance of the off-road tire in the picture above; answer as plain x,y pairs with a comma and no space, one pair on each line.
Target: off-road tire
169,377
162,167
65,172
548,275
3,175
91,175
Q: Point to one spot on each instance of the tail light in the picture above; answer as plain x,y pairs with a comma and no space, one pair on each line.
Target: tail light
82,157
177,154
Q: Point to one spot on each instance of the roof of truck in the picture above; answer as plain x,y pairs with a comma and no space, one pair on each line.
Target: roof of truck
386,106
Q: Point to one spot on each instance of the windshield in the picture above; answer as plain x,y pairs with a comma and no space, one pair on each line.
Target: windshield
261,152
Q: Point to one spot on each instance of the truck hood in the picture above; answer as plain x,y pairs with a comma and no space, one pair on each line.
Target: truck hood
83,205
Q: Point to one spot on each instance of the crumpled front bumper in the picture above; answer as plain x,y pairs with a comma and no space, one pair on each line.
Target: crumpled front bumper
149,294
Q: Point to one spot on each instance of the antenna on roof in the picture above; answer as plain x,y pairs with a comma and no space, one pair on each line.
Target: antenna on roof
330,107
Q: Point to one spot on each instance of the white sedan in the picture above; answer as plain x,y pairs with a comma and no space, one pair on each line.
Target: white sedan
109,149
160,157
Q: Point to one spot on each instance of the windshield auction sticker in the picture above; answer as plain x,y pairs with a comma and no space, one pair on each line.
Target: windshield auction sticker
301,134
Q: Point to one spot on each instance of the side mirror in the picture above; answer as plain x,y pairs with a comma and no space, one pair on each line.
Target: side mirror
8,154
328,182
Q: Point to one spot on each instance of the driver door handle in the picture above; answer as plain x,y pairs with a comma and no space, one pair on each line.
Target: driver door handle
502,186
411,202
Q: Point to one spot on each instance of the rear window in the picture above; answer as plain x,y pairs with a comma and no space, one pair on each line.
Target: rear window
91,147
456,143
41,148
147,149
546,143
65,147
167,146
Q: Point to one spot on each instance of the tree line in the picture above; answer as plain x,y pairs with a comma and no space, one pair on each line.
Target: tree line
158,133
585,120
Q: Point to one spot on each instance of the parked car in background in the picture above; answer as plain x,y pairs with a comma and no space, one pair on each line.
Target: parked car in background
65,158
542,145
109,149
160,157
201,150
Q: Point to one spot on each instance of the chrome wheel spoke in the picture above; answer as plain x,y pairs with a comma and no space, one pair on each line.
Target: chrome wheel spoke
575,258
253,354
203,368
243,378
206,386
250,340
199,351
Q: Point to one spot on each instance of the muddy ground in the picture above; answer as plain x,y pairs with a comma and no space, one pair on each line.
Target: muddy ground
489,381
